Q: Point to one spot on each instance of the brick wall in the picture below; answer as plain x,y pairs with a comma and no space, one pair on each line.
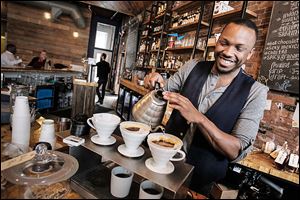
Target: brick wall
31,32
275,121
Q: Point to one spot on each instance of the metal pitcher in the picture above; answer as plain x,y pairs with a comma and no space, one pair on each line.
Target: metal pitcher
151,108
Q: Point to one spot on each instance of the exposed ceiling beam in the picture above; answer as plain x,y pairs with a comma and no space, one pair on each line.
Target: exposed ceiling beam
131,8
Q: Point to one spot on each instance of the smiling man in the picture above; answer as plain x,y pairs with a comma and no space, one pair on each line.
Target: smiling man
217,107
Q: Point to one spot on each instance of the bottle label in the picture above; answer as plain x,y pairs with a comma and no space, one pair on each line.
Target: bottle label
281,157
294,159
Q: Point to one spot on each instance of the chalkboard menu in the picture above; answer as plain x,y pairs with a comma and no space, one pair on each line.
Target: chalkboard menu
280,62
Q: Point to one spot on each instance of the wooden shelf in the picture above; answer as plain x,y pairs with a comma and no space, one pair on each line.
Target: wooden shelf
158,33
154,50
142,52
145,37
167,69
159,16
235,13
183,48
186,6
188,27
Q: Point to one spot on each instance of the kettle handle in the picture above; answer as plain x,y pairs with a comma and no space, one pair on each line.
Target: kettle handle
157,85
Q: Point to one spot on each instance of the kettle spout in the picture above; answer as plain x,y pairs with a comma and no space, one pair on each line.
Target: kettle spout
157,128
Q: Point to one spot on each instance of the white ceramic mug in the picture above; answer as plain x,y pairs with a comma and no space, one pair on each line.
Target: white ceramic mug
120,183
150,190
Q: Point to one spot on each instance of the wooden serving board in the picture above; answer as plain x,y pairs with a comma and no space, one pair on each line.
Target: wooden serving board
17,160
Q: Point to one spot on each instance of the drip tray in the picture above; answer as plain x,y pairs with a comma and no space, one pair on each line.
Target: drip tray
95,183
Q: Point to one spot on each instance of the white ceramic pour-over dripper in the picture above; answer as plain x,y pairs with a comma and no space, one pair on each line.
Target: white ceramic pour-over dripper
163,155
133,138
104,124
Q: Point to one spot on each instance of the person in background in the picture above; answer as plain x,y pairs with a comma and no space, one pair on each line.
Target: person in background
8,57
41,61
217,106
103,70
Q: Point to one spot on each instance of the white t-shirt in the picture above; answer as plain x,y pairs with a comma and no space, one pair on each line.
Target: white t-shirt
8,59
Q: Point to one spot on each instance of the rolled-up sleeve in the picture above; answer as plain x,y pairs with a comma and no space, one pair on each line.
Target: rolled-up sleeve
247,125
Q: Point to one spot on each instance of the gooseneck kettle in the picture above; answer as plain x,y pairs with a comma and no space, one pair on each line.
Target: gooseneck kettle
151,108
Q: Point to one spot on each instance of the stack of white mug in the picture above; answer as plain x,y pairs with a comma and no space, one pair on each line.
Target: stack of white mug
21,123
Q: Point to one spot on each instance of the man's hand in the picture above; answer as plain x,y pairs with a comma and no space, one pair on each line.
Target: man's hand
153,77
184,106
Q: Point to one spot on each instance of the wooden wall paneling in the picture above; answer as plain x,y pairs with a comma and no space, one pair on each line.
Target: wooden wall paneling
31,32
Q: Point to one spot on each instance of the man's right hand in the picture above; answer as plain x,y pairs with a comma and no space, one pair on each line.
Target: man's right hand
153,77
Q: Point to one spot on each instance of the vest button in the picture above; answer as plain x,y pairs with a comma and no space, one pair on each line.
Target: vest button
181,134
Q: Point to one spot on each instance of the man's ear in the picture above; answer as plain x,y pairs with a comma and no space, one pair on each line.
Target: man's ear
250,54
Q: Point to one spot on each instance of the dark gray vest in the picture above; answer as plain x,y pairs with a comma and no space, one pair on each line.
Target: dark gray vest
209,164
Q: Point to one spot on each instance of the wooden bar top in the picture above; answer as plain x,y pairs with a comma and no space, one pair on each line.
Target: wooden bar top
30,69
84,83
133,86
264,163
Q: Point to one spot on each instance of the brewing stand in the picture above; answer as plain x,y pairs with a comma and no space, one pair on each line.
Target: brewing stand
92,179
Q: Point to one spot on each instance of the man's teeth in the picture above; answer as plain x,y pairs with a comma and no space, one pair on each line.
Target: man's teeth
227,61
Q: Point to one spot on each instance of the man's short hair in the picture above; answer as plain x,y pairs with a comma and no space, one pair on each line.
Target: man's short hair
103,55
11,48
245,22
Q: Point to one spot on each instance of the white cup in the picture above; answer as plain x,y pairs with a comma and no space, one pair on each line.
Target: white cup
21,130
104,124
48,132
120,183
150,190
21,106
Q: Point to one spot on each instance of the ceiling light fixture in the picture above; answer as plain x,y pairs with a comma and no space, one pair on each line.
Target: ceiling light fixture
75,34
47,15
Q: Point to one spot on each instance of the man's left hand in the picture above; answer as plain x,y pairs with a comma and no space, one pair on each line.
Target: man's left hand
184,106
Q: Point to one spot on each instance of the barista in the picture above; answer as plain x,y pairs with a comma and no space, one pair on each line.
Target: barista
217,107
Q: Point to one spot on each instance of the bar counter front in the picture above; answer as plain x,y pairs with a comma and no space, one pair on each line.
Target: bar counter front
92,180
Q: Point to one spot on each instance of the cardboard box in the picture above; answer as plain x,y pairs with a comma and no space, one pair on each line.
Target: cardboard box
220,191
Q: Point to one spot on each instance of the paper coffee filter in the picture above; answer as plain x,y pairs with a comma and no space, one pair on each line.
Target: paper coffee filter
142,127
170,139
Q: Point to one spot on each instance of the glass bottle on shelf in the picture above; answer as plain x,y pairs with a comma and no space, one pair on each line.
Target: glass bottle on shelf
293,160
173,61
281,159
165,65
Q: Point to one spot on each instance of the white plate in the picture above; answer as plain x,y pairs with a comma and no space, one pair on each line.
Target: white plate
123,150
111,140
166,170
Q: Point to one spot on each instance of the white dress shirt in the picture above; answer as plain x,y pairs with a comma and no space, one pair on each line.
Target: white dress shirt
8,59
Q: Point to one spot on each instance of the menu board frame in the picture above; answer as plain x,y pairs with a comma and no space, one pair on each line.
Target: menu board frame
280,62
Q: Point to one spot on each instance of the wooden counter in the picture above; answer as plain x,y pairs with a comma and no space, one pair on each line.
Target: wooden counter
264,163
134,87
31,69
16,72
